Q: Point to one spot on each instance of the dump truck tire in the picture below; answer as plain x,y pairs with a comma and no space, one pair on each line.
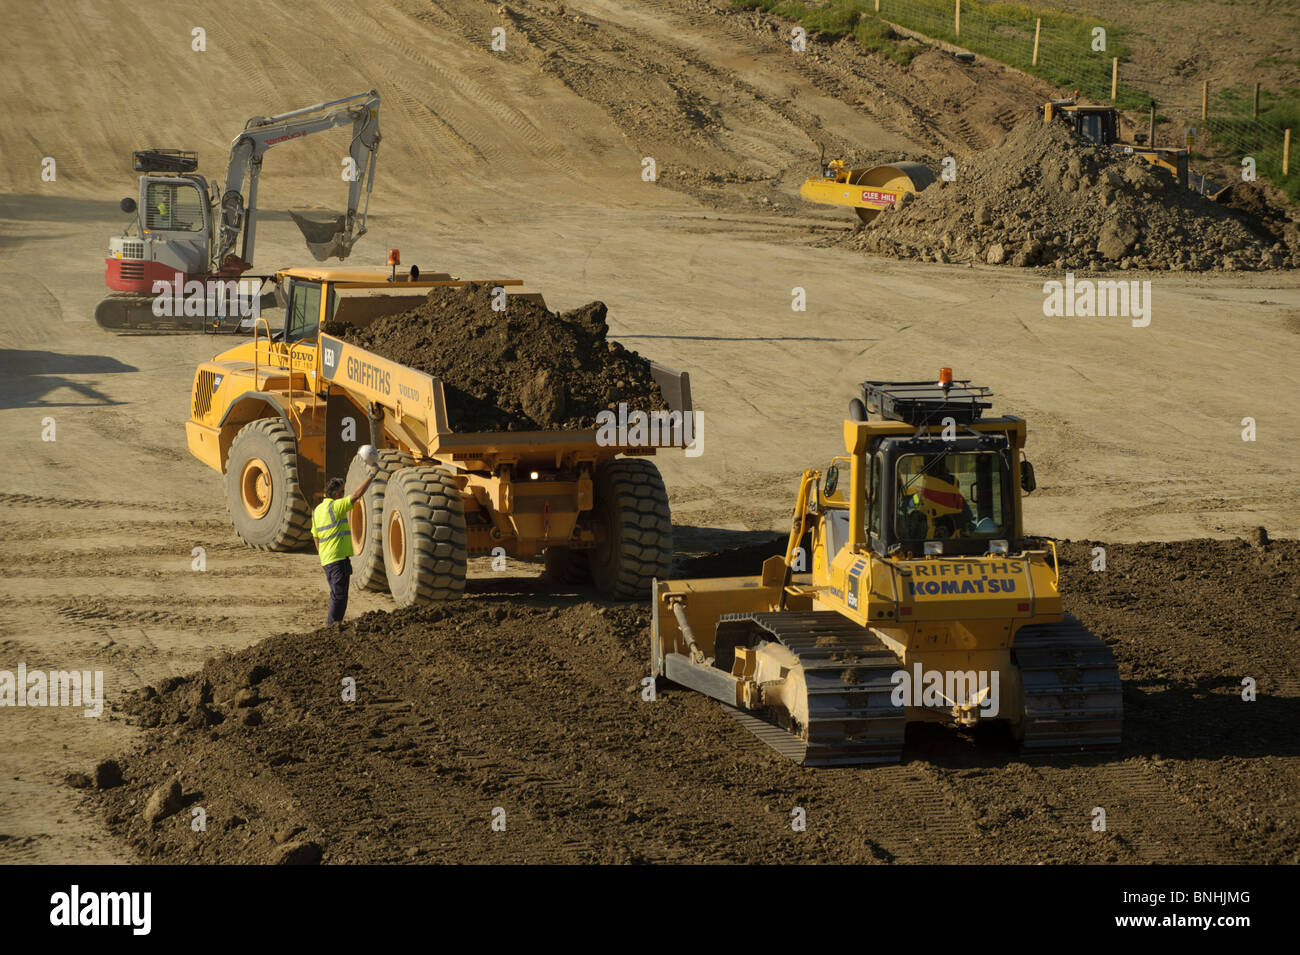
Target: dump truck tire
266,502
567,566
367,519
636,545
424,538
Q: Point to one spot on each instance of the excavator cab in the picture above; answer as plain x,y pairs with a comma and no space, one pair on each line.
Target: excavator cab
173,213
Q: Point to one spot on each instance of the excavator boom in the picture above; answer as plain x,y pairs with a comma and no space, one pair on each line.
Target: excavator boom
260,134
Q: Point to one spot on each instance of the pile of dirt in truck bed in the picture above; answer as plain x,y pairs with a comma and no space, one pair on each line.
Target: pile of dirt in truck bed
1046,198
513,728
521,369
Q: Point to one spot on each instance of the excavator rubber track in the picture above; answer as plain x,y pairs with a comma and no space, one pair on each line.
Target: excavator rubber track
851,718
129,312
132,312
1073,696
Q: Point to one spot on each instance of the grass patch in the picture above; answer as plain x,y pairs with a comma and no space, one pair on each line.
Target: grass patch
877,36
999,31
836,20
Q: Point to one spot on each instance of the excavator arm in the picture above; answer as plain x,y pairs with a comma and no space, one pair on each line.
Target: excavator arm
238,206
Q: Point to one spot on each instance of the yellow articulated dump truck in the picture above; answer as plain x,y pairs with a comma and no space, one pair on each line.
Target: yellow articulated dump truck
920,598
282,413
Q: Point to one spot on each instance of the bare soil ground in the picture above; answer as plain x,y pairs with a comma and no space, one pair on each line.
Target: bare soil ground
531,161
532,705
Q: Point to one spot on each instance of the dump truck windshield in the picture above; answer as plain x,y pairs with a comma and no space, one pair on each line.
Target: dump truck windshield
957,494
303,315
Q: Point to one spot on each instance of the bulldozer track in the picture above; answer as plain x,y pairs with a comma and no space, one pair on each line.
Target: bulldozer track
851,718
1073,697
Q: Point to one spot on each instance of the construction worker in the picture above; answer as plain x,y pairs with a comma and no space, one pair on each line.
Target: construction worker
332,532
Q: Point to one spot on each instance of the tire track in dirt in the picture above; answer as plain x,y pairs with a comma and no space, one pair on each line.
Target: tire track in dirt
473,95
12,498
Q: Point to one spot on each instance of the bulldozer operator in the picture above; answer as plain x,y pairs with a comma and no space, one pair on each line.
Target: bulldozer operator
931,504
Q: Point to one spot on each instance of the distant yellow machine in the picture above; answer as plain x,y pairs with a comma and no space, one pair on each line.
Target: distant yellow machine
1100,125
921,598
866,191
282,413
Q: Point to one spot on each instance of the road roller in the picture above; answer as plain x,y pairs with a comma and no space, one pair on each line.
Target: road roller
865,191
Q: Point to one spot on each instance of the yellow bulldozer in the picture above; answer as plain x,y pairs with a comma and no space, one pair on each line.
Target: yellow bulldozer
1100,125
917,597
282,413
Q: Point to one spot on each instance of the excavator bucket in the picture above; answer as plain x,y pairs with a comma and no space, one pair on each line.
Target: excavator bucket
325,232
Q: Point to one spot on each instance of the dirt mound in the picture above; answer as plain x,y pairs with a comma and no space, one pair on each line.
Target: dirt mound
1250,199
532,706
521,369
1046,198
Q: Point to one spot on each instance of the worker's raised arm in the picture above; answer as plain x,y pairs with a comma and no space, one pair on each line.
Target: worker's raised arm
370,458
361,488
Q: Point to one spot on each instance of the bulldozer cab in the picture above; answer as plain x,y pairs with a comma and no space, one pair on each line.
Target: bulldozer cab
1097,124
925,490
938,478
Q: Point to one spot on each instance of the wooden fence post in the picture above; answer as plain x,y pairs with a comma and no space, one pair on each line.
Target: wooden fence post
957,24
1286,152
1114,77
1038,25
1205,100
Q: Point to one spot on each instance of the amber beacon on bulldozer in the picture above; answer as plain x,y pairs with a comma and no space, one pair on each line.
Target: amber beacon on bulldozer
908,592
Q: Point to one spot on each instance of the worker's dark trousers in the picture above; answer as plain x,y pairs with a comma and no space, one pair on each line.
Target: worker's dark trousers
339,574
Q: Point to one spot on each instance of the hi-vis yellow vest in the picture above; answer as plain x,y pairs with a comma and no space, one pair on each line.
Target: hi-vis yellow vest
329,525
